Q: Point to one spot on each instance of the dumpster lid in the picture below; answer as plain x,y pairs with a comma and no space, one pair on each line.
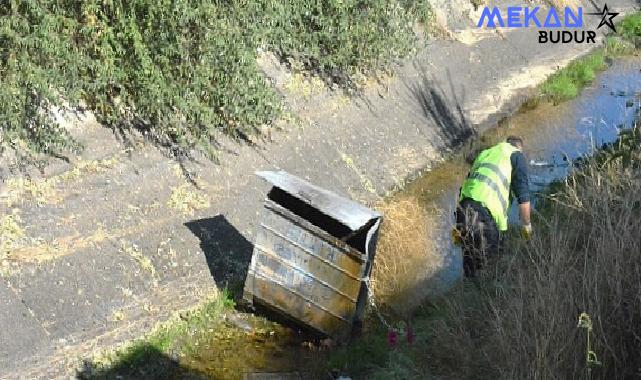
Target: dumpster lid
344,210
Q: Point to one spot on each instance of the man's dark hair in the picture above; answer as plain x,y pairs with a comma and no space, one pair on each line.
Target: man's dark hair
515,140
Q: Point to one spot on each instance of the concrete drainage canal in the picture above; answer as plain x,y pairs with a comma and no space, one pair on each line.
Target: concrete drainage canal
253,347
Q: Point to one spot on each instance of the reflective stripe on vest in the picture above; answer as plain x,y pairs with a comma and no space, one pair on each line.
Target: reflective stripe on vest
493,186
489,181
504,180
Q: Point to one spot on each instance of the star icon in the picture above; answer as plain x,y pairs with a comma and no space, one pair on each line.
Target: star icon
606,18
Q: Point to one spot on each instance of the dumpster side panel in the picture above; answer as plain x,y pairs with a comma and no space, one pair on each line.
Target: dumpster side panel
303,250
295,306
300,271
303,285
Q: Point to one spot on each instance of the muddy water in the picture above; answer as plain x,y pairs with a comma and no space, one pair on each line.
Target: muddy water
554,136
254,345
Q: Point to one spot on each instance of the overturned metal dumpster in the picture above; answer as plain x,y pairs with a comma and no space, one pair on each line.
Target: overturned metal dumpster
312,255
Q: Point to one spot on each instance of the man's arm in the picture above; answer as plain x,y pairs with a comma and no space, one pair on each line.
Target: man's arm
524,211
521,186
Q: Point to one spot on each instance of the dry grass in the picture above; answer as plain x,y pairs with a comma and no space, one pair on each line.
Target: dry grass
41,191
38,250
11,232
46,190
304,86
143,261
561,4
520,320
405,255
366,184
187,199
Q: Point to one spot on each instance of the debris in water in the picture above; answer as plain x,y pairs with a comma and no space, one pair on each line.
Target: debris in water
239,322
546,164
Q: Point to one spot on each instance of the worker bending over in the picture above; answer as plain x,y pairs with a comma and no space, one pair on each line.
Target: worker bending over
498,173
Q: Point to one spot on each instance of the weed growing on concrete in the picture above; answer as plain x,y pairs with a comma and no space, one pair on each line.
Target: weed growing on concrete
630,27
40,190
366,183
301,85
186,199
11,232
143,261
44,190
566,83
617,46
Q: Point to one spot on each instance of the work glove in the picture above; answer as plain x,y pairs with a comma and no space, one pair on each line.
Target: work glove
526,231
456,237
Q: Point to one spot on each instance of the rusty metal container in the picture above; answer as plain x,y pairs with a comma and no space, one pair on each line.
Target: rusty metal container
312,256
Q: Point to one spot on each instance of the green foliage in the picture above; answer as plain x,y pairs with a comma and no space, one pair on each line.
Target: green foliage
170,335
399,366
566,83
560,88
630,27
207,315
420,9
361,355
182,71
340,38
156,355
617,46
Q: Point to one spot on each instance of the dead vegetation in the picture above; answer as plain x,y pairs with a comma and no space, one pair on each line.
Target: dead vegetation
45,190
528,317
561,4
405,254
11,232
187,199
143,260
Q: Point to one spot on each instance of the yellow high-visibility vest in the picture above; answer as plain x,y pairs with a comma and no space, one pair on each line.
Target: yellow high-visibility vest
489,181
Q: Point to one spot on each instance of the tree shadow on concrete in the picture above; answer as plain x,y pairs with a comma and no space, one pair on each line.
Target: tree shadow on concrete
443,108
141,363
226,250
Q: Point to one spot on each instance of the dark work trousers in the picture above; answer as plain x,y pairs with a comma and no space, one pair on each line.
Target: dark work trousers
479,234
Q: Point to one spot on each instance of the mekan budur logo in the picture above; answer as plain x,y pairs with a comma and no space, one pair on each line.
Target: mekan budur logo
549,23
